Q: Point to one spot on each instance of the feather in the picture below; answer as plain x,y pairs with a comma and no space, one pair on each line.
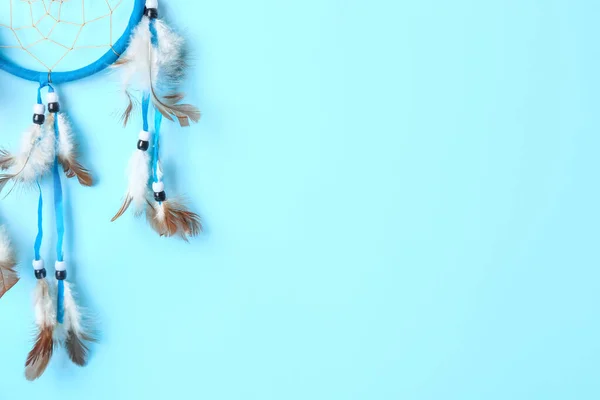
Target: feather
137,190
35,158
7,160
156,69
45,316
8,275
72,332
169,108
132,105
171,217
68,152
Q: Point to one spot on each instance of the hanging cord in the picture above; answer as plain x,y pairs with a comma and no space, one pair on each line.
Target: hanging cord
156,173
60,226
38,239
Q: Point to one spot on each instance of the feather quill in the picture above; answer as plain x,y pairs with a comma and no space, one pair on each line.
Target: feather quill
8,275
138,174
68,152
45,317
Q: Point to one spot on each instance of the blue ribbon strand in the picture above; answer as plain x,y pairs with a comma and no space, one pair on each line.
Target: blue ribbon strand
38,239
157,123
60,229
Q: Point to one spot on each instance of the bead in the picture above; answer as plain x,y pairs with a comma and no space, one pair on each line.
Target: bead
143,145
60,266
39,119
40,273
39,109
151,13
160,196
54,107
144,135
38,264
61,275
158,187
52,97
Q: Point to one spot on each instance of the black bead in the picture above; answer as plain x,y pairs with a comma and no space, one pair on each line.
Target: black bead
143,145
54,107
39,119
61,275
160,196
40,273
151,13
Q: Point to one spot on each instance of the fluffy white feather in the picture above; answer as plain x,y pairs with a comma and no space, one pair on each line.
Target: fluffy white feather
66,142
138,175
36,156
135,62
44,305
72,319
6,251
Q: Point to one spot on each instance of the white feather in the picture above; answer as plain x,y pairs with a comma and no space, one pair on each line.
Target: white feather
138,174
6,251
36,156
66,143
165,60
169,55
43,304
136,71
72,320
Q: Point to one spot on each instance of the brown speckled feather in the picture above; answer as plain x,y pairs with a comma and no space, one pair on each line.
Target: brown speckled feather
40,355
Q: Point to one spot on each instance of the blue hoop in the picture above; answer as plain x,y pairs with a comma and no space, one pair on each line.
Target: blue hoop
68,76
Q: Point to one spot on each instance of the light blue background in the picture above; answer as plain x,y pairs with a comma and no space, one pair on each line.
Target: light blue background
401,202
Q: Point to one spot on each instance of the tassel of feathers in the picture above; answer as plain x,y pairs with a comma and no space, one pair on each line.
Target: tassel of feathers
8,275
138,174
155,65
39,147
72,333
45,318
67,151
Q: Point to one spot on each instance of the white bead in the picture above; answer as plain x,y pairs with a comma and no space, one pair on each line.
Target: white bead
38,264
52,97
60,266
144,135
151,3
39,109
158,187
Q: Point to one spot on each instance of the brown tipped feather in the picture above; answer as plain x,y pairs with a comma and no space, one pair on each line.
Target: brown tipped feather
6,159
131,106
4,179
170,108
73,168
124,207
40,355
172,218
8,275
76,348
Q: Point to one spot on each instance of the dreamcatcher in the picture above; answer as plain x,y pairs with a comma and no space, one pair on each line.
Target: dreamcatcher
150,58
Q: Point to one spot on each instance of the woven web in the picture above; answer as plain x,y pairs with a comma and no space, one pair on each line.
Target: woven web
58,35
